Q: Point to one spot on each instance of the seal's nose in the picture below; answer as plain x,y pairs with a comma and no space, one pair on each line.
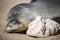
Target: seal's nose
12,26
12,22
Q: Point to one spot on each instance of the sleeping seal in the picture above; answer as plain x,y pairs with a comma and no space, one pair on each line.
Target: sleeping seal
47,9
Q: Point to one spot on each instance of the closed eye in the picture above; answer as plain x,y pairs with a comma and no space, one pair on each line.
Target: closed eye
19,13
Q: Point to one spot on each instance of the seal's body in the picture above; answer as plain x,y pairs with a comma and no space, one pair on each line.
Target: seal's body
28,11
44,8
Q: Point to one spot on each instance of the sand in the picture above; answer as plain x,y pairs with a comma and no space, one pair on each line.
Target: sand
5,6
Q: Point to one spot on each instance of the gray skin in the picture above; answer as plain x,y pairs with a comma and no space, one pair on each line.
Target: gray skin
28,11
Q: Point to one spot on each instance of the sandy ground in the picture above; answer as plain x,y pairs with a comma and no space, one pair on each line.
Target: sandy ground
5,6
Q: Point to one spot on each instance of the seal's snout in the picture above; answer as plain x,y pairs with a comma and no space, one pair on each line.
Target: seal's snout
12,26
15,26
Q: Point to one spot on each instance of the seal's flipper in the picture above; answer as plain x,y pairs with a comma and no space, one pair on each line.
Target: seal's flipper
57,19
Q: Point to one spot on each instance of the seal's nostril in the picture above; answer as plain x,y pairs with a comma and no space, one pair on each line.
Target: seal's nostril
10,26
20,22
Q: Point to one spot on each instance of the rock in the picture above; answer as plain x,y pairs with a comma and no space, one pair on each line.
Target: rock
36,28
42,28
52,26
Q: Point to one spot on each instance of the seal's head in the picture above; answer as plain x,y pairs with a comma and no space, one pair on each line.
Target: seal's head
16,26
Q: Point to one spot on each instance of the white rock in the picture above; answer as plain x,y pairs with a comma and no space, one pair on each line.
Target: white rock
36,27
52,27
42,28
